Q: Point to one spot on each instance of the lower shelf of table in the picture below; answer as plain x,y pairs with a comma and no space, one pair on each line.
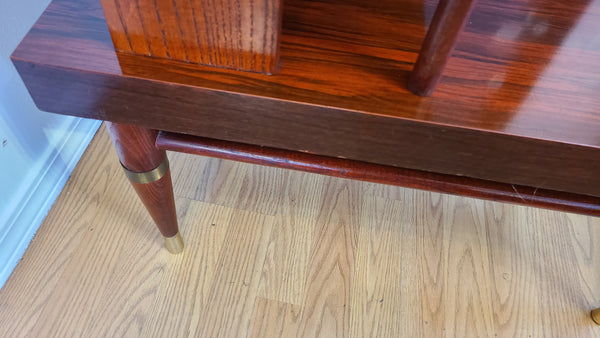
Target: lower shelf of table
364,171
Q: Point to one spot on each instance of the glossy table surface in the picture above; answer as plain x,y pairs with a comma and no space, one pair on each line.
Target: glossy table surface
519,101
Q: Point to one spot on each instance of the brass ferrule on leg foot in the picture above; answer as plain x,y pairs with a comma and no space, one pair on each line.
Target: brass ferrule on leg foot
596,316
174,244
148,176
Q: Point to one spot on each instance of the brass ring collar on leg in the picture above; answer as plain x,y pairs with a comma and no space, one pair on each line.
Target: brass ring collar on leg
148,176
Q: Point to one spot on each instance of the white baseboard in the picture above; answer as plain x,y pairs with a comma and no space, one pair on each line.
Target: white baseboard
24,221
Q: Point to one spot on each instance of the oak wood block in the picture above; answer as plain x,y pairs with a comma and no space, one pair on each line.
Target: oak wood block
236,34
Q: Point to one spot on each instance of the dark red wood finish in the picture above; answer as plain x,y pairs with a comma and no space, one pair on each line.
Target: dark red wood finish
380,174
518,102
448,21
136,146
137,152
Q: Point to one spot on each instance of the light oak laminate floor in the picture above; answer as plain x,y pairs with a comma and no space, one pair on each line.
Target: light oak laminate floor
276,253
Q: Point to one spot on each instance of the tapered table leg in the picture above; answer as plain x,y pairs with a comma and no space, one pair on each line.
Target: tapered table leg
148,171
448,21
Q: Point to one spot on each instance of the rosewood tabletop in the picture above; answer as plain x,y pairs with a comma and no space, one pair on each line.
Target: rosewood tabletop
518,102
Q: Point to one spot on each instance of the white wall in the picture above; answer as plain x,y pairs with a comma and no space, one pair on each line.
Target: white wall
38,151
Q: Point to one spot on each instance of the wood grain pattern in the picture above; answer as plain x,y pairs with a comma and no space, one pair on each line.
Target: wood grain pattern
285,268
234,288
208,180
522,85
85,287
582,241
376,310
448,21
467,291
96,269
236,34
412,320
550,277
185,283
215,181
431,260
135,303
84,192
274,319
329,282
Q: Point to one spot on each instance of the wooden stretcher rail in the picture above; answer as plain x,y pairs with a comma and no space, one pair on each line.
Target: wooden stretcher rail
363,171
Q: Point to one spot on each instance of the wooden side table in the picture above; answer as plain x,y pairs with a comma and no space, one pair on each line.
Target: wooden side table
516,116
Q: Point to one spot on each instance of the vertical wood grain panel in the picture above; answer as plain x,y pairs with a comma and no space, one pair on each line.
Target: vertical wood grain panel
126,26
236,34
168,17
188,28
